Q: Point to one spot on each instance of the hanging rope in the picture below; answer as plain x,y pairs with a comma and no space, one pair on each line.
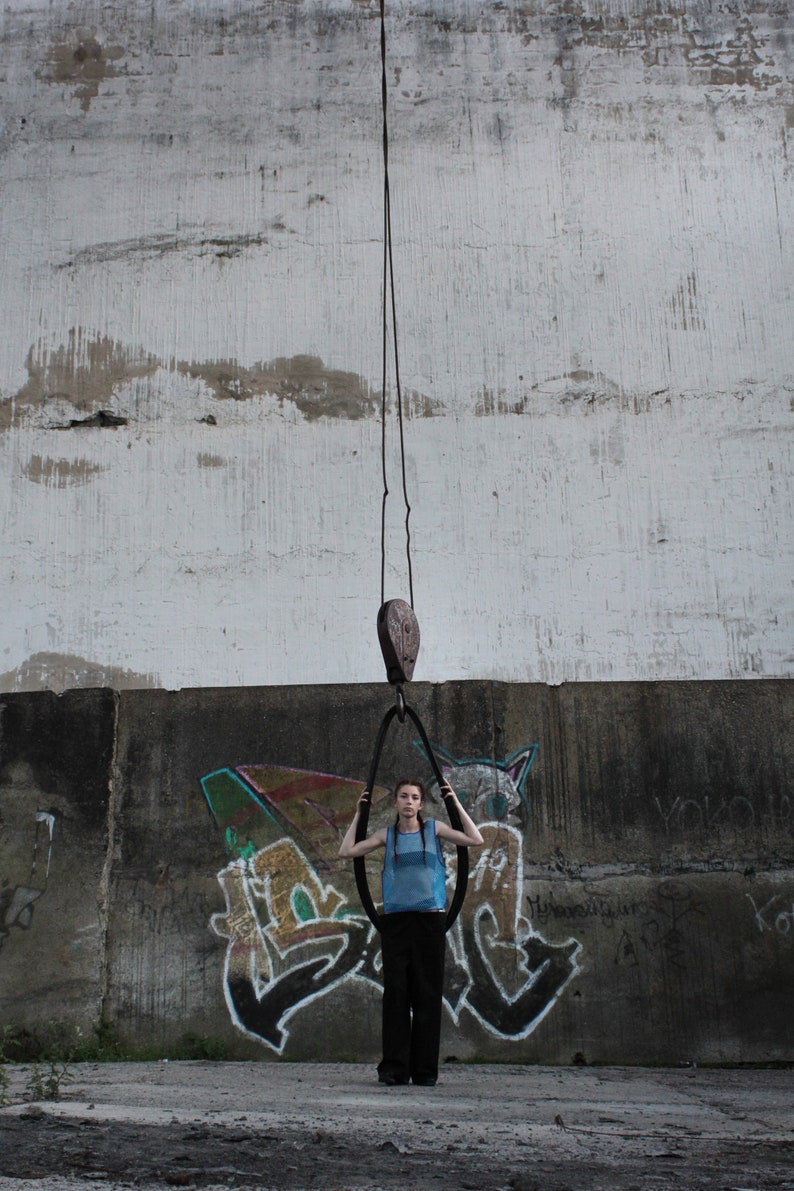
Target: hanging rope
389,302
398,629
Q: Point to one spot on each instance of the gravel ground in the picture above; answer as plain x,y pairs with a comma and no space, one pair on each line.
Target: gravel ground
333,1127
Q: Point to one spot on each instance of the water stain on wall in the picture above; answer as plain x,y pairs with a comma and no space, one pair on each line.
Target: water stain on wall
304,381
60,473
75,386
84,63
60,672
80,376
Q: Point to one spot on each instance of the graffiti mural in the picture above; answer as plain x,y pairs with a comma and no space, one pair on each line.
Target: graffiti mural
293,924
18,897
489,790
511,976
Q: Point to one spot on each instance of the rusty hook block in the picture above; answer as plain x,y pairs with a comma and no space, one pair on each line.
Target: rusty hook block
398,633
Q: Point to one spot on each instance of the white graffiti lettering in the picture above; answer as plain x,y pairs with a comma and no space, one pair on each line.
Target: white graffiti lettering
775,919
292,936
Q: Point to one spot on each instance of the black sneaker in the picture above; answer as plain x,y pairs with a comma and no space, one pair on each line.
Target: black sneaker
391,1080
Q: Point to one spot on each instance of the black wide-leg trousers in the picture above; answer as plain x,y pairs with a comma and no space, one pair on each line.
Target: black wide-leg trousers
413,946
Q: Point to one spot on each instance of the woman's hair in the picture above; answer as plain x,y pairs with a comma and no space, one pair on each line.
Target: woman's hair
410,781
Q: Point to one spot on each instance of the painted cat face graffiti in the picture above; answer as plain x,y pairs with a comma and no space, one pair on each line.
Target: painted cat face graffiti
490,790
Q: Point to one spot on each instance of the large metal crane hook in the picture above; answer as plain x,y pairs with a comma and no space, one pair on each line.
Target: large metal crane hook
398,633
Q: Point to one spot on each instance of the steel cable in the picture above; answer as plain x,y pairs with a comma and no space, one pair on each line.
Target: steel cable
389,301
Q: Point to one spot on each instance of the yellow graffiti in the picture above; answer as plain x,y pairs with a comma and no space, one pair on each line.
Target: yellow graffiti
274,903
299,906
240,923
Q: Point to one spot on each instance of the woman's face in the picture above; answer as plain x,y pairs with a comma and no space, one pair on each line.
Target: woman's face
408,800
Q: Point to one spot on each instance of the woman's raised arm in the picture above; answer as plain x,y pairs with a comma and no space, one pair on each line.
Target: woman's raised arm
349,849
470,836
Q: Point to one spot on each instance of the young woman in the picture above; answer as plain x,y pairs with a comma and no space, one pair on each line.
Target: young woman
413,938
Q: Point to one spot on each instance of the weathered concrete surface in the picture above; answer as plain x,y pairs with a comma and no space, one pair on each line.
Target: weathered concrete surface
56,772
329,1126
593,218
633,902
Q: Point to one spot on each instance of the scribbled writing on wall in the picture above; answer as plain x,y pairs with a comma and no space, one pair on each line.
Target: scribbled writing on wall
650,925
18,897
294,928
736,814
774,914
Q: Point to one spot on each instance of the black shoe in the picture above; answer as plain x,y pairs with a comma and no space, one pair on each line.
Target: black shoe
391,1080
425,1081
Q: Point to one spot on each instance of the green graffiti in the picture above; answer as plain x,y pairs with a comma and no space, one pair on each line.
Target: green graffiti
244,851
303,906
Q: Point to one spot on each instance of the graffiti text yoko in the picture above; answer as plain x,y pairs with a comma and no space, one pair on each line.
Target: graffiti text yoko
738,813
294,928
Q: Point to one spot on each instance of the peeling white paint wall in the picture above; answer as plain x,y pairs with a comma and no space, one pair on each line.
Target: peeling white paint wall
593,213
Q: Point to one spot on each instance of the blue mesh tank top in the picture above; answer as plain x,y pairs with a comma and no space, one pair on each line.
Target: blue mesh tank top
413,883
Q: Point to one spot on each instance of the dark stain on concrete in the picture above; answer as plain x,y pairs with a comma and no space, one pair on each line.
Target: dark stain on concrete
82,375
85,64
102,420
152,247
303,381
734,60
684,307
60,473
720,47
419,405
578,387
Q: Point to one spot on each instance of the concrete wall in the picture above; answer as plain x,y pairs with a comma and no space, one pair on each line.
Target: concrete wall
593,218
168,860
592,227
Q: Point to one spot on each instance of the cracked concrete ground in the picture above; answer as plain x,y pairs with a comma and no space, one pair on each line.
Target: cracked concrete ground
332,1126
